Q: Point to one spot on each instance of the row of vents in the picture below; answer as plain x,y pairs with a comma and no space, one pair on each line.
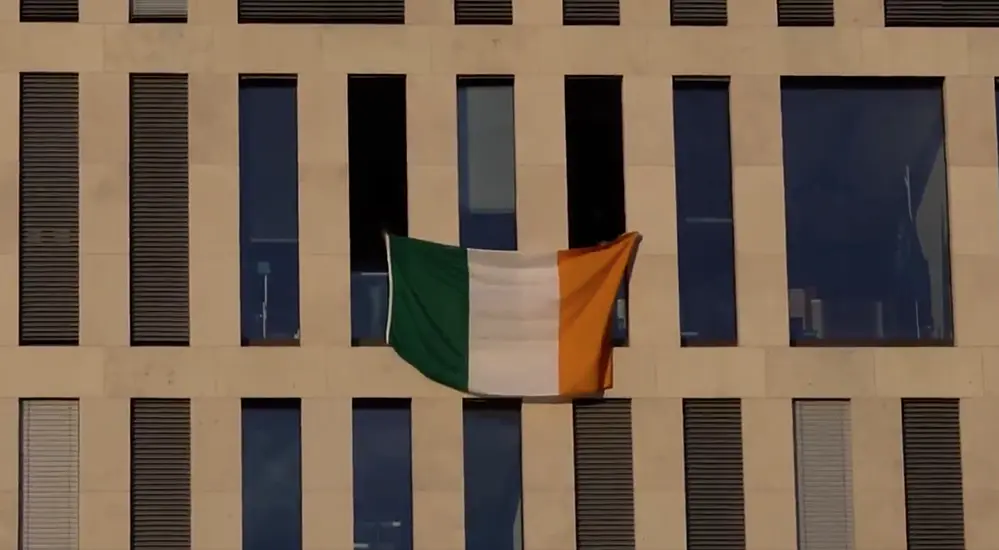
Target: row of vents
898,13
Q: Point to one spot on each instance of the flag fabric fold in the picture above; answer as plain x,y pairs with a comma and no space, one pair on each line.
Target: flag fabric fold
502,323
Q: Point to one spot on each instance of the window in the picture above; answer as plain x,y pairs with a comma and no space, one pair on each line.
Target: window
487,189
591,12
865,178
493,496
594,148
704,212
805,13
49,243
50,474
268,211
323,12
483,12
941,13
383,474
376,134
161,474
272,474
158,211
701,13
50,11
158,11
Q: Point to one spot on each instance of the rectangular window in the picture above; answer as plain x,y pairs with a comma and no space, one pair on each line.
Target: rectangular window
49,243
605,484
934,489
492,458
805,13
700,13
591,12
483,12
158,11
594,149
376,134
323,12
713,473
865,188
158,211
161,474
941,13
823,474
704,212
272,474
383,474
50,478
268,210
487,188
50,11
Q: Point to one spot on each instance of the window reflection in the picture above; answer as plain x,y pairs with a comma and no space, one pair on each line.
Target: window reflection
866,201
493,504
383,488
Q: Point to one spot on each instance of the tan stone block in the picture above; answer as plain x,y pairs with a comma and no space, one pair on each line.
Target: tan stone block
713,372
325,300
859,13
9,11
820,373
815,50
756,123
634,372
267,49
105,447
648,120
974,224
980,462
274,372
981,518
104,11
10,114
753,13
433,203
322,118
644,13
489,50
537,12
660,520
432,129
542,218
104,208
539,113
603,50
657,440
716,51
975,299
213,119
429,12
650,207
216,449
104,300
324,209
104,520
981,47
212,12
768,447
58,47
9,516
327,519
768,523
10,427
653,304
928,372
969,114
439,519
761,299
104,125
216,520
215,319
384,49
327,443
52,371
915,51
9,299
547,450
158,372
437,445
758,210
878,483
549,519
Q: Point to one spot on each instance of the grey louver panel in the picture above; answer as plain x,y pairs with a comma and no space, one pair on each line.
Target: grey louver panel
824,474
605,494
50,209
805,13
942,13
591,12
158,202
323,12
50,464
699,12
483,12
159,11
50,11
712,450
161,474
934,495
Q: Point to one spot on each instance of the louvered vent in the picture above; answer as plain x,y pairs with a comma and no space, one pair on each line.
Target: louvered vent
161,474
50,209
605,493
483,12
158,11
50,11
323,12
712,450
158,199
712,13
805,13
934,496
591,12
942,13
50,464
824,474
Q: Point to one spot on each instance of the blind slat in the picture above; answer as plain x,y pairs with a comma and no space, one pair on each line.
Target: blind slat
323,12
483,12
159,11
50,11
941,13
824,471
591,12
50,458
805,13
712,13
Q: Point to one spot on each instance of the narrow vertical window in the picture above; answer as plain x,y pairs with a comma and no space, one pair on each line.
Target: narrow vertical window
594,148
50,11
487,189
605,483
383,474
376,120
161,474
492,460
823,474
49,244
50,474
158,211
268,211
272,474
158,11
705,238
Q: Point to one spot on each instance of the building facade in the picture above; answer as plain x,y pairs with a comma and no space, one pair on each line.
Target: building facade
193,198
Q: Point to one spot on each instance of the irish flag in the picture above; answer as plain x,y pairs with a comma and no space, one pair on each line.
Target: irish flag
506,323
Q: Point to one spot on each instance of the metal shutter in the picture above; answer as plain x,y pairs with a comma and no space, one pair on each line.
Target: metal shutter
50,464
158,11
699,12
712,451
824,474
934,496
161,474
483,12
591,12
605,489
158,203
50,11
323,12
942,13
49,209
805,13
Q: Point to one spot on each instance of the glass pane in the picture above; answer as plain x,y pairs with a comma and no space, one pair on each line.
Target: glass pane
493,506
383,487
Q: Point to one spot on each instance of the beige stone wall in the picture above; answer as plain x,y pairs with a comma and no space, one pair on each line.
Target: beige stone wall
215,372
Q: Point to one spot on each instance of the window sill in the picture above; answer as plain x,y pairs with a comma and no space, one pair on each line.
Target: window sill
271,343
368,343
707,342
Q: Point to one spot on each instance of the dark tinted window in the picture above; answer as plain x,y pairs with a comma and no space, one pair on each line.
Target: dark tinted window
383,477
493,505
